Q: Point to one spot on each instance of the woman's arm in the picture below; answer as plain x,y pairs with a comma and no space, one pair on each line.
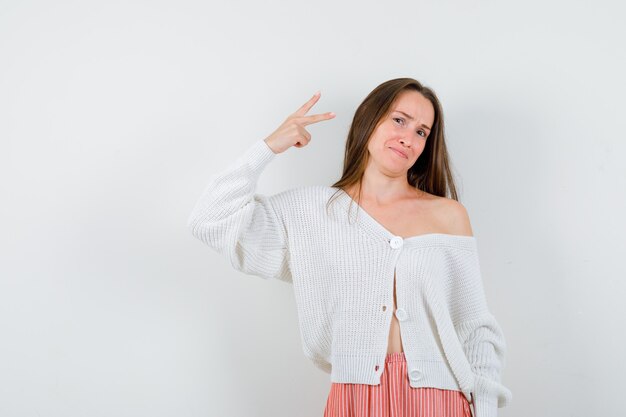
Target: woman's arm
479,333
235,221
485,348
247,227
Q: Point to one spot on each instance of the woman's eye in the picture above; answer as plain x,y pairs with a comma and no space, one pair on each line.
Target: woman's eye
401,119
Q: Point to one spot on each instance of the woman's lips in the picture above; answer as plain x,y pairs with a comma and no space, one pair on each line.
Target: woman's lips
399,153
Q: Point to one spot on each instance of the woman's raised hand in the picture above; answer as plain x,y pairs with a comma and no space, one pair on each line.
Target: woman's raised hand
292,131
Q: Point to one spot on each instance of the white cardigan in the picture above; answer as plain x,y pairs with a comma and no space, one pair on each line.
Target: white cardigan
341,263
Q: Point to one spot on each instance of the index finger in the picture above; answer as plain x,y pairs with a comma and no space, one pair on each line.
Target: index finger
307,106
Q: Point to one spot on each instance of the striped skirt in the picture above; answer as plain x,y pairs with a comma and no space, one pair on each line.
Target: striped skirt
394,397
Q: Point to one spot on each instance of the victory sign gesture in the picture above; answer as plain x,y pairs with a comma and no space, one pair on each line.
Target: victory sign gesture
292,132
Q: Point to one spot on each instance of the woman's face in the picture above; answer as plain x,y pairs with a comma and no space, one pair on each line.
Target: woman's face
401,135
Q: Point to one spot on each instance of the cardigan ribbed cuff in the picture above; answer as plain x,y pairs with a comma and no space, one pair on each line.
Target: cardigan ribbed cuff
485,407
258,155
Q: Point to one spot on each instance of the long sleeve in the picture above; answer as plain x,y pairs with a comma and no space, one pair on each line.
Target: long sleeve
484,346
240,224
482,340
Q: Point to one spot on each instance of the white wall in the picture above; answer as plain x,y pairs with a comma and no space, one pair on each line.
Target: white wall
114,114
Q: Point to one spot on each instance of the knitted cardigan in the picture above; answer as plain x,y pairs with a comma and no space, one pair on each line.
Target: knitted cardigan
341,263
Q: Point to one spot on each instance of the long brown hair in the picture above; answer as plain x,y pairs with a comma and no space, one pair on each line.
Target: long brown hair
431,172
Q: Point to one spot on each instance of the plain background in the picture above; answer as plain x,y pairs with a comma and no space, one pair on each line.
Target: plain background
114,114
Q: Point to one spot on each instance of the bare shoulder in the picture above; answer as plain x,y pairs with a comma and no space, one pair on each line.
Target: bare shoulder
452,215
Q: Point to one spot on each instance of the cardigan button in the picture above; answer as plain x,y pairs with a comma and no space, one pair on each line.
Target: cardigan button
415,374
401,314
395,242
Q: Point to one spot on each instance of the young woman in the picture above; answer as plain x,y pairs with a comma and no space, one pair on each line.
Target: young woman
390,300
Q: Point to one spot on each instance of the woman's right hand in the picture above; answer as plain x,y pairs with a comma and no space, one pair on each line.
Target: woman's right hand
292,131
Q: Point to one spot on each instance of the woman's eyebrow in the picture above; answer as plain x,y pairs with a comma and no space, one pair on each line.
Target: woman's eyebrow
411,117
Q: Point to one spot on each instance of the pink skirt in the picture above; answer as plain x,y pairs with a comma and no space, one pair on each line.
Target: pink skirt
394,397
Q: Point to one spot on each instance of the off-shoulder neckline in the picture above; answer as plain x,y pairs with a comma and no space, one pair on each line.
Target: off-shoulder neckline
377,230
